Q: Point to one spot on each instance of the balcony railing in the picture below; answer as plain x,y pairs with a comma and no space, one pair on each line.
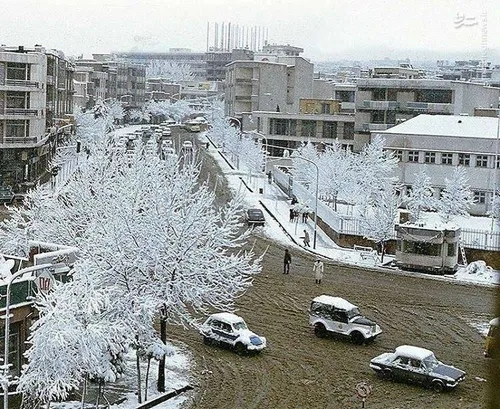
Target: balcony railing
376,127
430,107
381,104
19,141
20,111
20,83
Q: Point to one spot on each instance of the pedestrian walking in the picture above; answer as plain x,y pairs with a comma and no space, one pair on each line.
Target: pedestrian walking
292,214
318,269
306,239
286,262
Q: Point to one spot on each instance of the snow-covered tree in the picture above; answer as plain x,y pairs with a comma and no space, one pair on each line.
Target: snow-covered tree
494,213
456,197
375,168
251,154
304,169
170,71
336,176
379,215
420,197
149,232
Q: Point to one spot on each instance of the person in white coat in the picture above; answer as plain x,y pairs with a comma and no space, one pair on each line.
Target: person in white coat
318,269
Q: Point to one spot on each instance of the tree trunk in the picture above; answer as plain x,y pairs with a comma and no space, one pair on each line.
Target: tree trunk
382,253
161,364
147,380
138,367
84,392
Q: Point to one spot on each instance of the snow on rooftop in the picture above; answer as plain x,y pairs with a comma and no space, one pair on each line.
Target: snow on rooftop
337,302
413,352
448,125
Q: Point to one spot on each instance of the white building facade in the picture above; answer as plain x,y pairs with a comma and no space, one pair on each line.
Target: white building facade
442,142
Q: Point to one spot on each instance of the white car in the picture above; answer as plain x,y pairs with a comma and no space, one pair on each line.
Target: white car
187,145
229,329
166,131
334,315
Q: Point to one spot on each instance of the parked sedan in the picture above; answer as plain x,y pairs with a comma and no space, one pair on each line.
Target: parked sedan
255,217
417,365
229,329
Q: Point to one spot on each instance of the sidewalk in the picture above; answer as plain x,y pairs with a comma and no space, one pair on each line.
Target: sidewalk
277,204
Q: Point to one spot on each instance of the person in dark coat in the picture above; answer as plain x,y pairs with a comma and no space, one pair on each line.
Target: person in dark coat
286,262
292,215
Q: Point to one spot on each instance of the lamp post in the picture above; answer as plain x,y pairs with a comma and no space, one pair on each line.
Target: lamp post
316,198
7,327
496,166
316,190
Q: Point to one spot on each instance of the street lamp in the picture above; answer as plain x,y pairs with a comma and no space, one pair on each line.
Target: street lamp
317,186
7,327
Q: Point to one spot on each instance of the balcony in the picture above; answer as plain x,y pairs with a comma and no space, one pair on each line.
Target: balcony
433,107
380,104
19,83
347,106
19,141
375,127
20,112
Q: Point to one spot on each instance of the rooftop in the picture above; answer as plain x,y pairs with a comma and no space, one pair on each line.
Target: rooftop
413,352
448,125
337,302
227,317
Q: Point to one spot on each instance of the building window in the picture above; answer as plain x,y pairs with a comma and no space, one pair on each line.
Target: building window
481,161
309,129
451,249
17,129
398,154
330,130
419,247
413,156
464,159
349,130
280,126
325,108
18,71
346,147
430,157
480,197
378,94
447,158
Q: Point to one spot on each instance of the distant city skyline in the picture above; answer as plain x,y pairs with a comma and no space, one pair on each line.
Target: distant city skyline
424,30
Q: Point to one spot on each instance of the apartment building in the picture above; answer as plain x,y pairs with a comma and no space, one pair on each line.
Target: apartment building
290,131
384,102
267,85
107,78
442,142
36,95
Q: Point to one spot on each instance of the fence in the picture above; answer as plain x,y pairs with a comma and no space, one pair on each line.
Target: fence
471,238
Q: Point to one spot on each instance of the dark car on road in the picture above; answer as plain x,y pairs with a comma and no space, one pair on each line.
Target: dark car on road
255,217
417,365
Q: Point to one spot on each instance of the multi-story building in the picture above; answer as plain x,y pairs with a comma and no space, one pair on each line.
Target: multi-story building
114,80
442,142
36,95
384,102
267,86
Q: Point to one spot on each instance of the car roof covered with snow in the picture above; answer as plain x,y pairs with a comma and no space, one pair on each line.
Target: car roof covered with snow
336,302
413,352
495,322
228,317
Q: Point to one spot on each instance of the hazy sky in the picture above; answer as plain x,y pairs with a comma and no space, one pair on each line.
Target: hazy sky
331,29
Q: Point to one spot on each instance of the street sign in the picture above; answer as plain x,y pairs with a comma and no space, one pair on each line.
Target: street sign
44,281
363,390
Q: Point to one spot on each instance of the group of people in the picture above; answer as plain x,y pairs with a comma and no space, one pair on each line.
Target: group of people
318,267
294,215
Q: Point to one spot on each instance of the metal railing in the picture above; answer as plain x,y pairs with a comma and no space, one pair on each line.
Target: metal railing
342,224
21,83
381,104
20,111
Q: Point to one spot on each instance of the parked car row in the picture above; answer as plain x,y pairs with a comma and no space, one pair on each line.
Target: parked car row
336,316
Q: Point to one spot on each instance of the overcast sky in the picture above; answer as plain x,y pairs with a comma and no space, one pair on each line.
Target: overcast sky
333,29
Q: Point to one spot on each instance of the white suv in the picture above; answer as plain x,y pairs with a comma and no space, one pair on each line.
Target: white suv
334,315
228,329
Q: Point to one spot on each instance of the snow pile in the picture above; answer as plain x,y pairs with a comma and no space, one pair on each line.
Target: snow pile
478,272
